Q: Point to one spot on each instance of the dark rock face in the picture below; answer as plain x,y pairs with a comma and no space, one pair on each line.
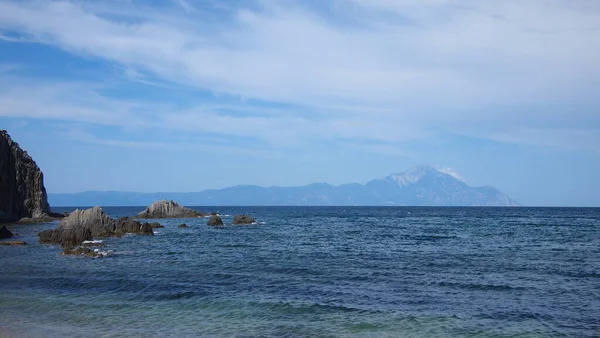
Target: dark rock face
127,225
85,225
182,225
215,220
156,225
12,243
5,233
65,237
243,219
21,183
168,209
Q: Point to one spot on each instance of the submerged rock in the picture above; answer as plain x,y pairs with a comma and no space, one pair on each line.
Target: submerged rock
82,251
243,219
215,220
85,225
182,225
12,243
168,209
5,233
23,194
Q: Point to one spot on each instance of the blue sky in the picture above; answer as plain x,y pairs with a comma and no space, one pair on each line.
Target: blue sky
182,95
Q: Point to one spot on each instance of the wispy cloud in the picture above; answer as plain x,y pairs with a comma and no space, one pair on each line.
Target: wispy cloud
398,71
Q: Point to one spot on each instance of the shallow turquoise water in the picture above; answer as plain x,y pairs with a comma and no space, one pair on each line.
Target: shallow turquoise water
319,272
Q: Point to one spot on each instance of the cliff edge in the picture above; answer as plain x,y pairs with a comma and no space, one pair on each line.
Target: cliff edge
22,191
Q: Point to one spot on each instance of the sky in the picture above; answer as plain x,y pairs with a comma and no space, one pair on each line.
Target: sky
182,95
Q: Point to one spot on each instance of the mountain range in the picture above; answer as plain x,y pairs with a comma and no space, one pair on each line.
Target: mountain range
418,186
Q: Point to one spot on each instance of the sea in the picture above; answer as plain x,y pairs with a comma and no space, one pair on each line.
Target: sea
317,272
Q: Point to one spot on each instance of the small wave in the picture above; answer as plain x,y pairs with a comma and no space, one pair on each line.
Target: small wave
262,222
95,241
103,253
482,287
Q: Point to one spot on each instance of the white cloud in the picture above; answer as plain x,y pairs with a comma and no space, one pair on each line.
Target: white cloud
389,70
451,172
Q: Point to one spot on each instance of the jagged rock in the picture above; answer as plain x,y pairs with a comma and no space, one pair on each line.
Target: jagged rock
85,225
243,219
99,223
182,225
82,251
5,233
215,220
156,225
12,243
21,183
168,209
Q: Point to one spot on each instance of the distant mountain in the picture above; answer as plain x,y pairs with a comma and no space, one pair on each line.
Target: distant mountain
419,186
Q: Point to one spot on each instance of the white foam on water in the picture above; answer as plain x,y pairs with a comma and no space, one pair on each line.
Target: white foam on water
262,222
96,241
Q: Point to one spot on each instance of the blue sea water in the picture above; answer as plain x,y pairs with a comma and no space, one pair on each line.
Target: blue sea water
318,272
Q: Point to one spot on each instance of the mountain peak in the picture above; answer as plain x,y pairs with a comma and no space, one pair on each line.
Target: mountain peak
414,174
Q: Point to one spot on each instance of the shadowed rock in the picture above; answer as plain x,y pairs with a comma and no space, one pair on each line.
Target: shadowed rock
127,225
22,191
85,225
65,237
168,209
156,225
5,233
215,220
182,225
12,243
243,219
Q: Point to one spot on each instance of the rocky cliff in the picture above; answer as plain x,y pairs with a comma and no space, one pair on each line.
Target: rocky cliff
22,192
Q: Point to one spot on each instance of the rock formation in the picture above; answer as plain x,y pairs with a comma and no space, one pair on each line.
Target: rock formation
156,225
168,209
215,220
21,183
5,233
85,225
182,225
243,219
82,251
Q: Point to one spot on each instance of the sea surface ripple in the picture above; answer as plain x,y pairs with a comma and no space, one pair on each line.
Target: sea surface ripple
318,272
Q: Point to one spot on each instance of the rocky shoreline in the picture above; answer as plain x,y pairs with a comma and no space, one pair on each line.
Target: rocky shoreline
24,200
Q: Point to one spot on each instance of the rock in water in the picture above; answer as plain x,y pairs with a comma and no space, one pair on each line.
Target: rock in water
243,219
182,225
85,225
5,233
23,194
168,209
156,225
126,225
215,220
12,243
82,251
99,223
